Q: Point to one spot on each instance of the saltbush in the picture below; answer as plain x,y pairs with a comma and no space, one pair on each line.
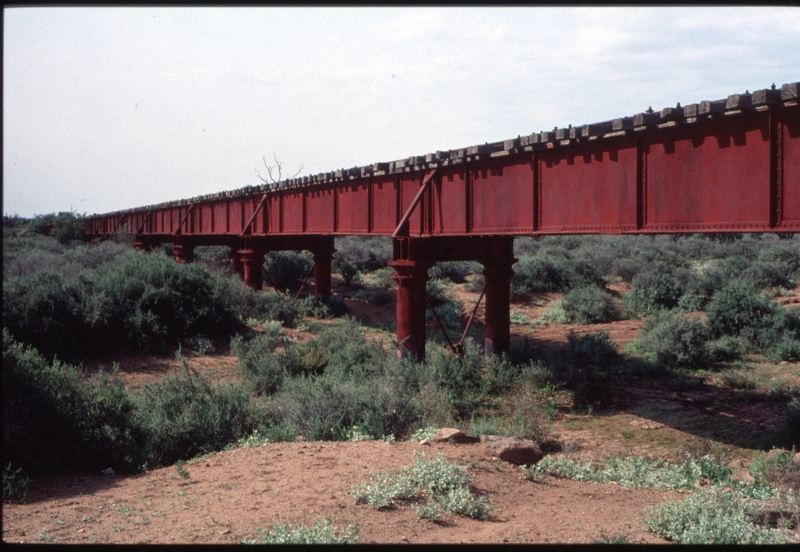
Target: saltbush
444,484
184,415
590,305
322,532
286,270
675,341
367,254
653,290
57,421
712,516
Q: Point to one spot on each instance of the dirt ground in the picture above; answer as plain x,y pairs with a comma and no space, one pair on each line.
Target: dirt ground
232,494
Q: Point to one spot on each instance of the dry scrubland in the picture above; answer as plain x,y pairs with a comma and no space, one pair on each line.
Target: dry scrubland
145,401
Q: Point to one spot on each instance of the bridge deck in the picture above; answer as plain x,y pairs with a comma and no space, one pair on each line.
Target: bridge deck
723,166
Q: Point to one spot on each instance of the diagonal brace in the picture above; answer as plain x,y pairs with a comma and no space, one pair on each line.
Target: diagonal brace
425,182
247,226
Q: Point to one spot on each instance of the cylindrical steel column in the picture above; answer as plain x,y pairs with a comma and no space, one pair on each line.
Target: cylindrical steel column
253,262
140,245
236,262
184,254
322,273
498,273
411,277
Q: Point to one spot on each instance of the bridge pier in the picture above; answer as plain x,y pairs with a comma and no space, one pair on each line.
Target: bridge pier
236,262
323,259
411,277
184,253
497,274
253,263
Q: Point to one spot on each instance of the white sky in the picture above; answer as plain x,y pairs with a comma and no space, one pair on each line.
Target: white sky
113,108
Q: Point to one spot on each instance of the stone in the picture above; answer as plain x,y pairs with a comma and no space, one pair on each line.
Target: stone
447,434
743,475
514,450
775,452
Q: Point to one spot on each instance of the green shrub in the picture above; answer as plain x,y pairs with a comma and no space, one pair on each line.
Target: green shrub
348,270
537,274
448,309
288,269
737,307
455,271
638,471
444,484
675,341
789,431
786,253
332,307
765,275
726,349
270,305
590,305
149,299
653,291
595,351
44,310
322,532
56,421
257,363
184,415
41,224
711,516
462,379
367,253
15,485
68,227
326,407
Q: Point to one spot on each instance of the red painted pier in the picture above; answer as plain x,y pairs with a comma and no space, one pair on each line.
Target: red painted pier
730,165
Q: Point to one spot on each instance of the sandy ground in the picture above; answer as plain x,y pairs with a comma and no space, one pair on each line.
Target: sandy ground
232,494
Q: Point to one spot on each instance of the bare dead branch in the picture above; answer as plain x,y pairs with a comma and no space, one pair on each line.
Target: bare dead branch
273,170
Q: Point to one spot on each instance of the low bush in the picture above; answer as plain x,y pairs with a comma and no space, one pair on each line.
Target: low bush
184,415
286,270
327,407
44,310
15,485
652,291
712,516
540,273
590,305
347,269
738,307
68,227
322,532
594,351
367,254
638,471
56,421
454,271
332,307
462,379
257,363
675,341
444,484
270,305
448,308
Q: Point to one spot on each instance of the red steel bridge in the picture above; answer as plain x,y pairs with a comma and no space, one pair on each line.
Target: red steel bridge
731,165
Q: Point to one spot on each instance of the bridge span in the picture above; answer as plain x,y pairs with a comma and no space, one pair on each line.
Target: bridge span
730,165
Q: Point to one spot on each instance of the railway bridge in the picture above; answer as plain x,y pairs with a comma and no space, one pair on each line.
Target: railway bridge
729,165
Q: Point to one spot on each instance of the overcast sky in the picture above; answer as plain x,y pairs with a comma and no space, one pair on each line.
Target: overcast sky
113,108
